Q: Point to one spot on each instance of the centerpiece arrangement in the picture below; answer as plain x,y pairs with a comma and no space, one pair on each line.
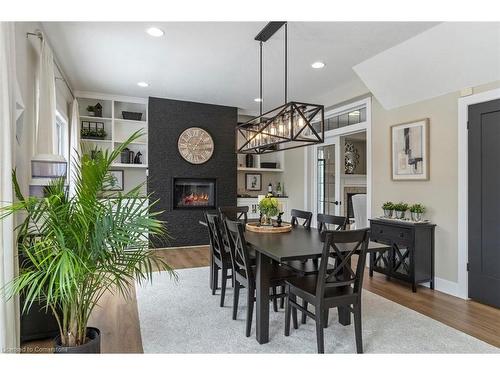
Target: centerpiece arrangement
269,207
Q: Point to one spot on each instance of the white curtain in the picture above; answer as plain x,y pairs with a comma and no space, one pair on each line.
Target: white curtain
46,141
74,146
8,308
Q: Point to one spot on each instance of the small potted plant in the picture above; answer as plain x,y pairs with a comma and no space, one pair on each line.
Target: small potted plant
91,110
400,210
417,210
268,207
388,207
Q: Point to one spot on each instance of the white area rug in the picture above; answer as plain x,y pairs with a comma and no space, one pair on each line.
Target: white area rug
184,317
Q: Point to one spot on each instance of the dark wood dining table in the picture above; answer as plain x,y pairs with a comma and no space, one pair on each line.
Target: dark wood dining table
298,244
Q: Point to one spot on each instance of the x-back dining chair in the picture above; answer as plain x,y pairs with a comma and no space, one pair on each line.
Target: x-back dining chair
221,257
299,214
341,287
244,273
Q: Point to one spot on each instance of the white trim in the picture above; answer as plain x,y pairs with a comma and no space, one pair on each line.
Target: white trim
463,182
343,131
445,286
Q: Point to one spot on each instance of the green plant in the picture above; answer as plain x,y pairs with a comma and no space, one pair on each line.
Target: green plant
90,108
417,208
77,248
388,206
269,206
401,206
99,133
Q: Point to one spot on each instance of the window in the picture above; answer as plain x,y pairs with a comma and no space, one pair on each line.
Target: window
62,135
353,116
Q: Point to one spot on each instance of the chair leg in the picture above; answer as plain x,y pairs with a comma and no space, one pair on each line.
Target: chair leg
325,317
282,299
357,328
304,316
223,286
275,301
288,312
250,302
236,299
319,330
294,312
216,278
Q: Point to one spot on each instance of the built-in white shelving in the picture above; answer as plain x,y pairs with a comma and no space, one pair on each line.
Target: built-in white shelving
118,130
245,169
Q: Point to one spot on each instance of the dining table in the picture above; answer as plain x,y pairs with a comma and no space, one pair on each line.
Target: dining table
299,244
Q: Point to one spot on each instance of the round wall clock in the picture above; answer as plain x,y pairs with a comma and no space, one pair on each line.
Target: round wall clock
195,145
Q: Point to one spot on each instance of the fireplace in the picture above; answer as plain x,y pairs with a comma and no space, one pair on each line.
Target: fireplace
192,193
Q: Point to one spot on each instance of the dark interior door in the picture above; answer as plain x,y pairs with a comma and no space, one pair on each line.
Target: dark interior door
484,202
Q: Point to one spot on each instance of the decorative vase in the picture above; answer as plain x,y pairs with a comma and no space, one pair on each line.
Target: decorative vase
416,216
400,214
388,214
266,220
91,114
249,161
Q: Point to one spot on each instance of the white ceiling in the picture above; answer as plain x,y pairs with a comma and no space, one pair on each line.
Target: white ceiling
447,58
217,62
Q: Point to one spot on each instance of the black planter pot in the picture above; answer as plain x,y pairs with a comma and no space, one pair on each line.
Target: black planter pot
92,346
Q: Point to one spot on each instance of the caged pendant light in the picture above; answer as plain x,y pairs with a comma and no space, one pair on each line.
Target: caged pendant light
288,126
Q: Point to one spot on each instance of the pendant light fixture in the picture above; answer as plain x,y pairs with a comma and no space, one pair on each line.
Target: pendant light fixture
291,125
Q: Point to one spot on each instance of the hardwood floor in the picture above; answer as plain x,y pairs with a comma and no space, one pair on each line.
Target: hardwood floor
119,321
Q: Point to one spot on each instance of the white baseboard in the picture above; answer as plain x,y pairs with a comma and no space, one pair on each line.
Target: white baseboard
445,286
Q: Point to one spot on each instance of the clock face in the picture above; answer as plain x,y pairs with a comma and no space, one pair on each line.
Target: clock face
195,145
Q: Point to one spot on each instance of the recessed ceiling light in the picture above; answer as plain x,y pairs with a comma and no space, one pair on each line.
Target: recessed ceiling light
318,65
258,100
154,31
142,84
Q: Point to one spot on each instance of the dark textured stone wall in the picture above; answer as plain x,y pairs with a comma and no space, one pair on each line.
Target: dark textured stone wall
167,120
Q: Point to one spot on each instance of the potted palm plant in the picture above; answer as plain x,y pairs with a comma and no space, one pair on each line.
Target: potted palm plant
75,249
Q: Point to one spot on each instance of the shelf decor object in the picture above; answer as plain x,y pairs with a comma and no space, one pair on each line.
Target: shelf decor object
136,116
93,130
291,125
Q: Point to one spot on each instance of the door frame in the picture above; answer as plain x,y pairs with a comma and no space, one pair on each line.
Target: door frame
309,191
463,182
328,142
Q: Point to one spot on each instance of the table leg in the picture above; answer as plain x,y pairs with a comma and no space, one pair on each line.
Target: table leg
262,297
212,272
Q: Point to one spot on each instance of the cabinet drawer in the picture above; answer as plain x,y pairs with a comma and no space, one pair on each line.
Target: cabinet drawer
390,233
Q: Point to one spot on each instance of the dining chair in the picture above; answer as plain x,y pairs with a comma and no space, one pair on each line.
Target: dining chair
324,220
299,214
339,288
221,257
359,209
244,273
235,212
311,266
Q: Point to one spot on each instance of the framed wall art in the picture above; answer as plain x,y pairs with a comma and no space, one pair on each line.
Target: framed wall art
410,150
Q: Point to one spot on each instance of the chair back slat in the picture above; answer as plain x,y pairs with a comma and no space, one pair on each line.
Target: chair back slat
216,237
239,250
339,222
234,212
299,214
353,242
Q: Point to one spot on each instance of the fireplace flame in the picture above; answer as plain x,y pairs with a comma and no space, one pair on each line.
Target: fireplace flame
195,199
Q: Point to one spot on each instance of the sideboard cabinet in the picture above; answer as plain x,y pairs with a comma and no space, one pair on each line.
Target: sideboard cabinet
411,257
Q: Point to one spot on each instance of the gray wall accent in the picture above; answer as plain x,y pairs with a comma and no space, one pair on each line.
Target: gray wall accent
167,120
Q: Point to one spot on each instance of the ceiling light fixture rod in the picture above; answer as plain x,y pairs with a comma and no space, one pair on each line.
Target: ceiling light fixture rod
286,61
260,92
